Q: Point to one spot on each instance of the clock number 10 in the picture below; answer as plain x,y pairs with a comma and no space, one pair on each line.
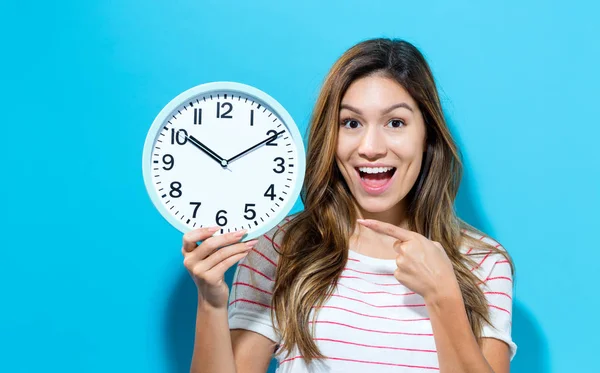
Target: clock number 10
180,137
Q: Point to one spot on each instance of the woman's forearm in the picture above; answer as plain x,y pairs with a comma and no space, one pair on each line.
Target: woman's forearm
457,348
212,346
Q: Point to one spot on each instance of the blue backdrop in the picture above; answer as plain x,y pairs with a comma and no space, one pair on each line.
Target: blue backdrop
91,276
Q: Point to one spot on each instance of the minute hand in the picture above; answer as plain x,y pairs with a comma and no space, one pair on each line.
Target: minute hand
255,146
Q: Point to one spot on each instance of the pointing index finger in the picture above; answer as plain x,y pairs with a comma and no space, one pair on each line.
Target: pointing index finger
388,229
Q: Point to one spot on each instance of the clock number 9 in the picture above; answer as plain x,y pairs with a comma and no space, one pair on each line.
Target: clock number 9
246,209
176,138
175,189
168,160
221,220
277,170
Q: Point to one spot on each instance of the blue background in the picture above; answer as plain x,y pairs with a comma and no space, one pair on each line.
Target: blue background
91,276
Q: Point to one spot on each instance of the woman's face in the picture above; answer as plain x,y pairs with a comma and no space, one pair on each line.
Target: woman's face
380,145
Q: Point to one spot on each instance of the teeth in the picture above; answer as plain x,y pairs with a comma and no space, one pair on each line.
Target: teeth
375,170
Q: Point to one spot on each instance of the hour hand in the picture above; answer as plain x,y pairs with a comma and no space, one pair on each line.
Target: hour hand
208,151
273,137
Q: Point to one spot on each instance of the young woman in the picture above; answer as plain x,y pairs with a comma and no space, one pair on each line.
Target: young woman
377,273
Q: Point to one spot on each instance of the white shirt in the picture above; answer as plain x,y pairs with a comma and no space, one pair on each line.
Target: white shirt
371,323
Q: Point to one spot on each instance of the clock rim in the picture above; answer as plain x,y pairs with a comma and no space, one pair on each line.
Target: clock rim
234,87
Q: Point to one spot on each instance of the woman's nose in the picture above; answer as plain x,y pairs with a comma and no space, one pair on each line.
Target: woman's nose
372,144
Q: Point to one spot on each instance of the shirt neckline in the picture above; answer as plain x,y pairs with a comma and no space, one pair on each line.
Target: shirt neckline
369,259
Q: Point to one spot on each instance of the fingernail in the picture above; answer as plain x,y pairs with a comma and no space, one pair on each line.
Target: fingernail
214,229
362,221
250,244
240,233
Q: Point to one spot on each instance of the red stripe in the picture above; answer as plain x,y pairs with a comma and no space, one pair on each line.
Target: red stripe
377,292
278,226
495,278
482,260
499,278
368,362
264,256
354,260
254,270
500,308
373,305
253,287
375,317
270,240
468,252
373,346
249,301
502,261
398,284
369,273
498,293
371,330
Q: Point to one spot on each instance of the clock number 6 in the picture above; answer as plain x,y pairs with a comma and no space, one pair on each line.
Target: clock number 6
246,209
278,170
221,220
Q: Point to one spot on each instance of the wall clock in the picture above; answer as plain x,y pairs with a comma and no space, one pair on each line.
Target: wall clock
224,154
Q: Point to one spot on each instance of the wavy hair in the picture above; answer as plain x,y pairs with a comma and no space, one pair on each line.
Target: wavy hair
314,247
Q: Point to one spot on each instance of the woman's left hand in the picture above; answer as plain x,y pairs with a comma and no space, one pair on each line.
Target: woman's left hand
423,265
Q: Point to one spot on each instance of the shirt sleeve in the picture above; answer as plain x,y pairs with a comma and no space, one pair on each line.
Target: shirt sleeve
251,290
498,289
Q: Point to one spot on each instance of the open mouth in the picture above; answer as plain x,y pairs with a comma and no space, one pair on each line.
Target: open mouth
375,177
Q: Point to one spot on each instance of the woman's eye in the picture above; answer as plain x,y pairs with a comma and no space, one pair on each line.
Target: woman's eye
350,123
396,123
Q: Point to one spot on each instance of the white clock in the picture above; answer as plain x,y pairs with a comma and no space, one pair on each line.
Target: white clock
224,154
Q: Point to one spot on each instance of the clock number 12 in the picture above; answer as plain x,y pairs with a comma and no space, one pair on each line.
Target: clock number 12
225,114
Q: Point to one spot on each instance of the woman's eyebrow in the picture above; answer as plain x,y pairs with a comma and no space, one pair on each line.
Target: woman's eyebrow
385,111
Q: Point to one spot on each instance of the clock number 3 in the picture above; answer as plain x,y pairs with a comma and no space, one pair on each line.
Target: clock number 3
280,165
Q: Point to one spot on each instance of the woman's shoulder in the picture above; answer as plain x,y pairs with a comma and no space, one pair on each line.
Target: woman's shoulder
269,244
482,249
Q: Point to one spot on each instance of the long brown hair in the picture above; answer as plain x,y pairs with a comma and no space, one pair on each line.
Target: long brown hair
314,248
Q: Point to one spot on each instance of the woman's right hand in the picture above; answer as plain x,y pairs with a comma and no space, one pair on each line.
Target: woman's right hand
208,262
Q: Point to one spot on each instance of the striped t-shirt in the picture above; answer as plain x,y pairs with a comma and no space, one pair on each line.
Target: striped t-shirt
371,323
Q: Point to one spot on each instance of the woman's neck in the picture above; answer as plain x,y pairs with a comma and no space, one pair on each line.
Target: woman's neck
396,216
370,243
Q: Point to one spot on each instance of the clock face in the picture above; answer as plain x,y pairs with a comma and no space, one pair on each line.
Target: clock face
224,154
